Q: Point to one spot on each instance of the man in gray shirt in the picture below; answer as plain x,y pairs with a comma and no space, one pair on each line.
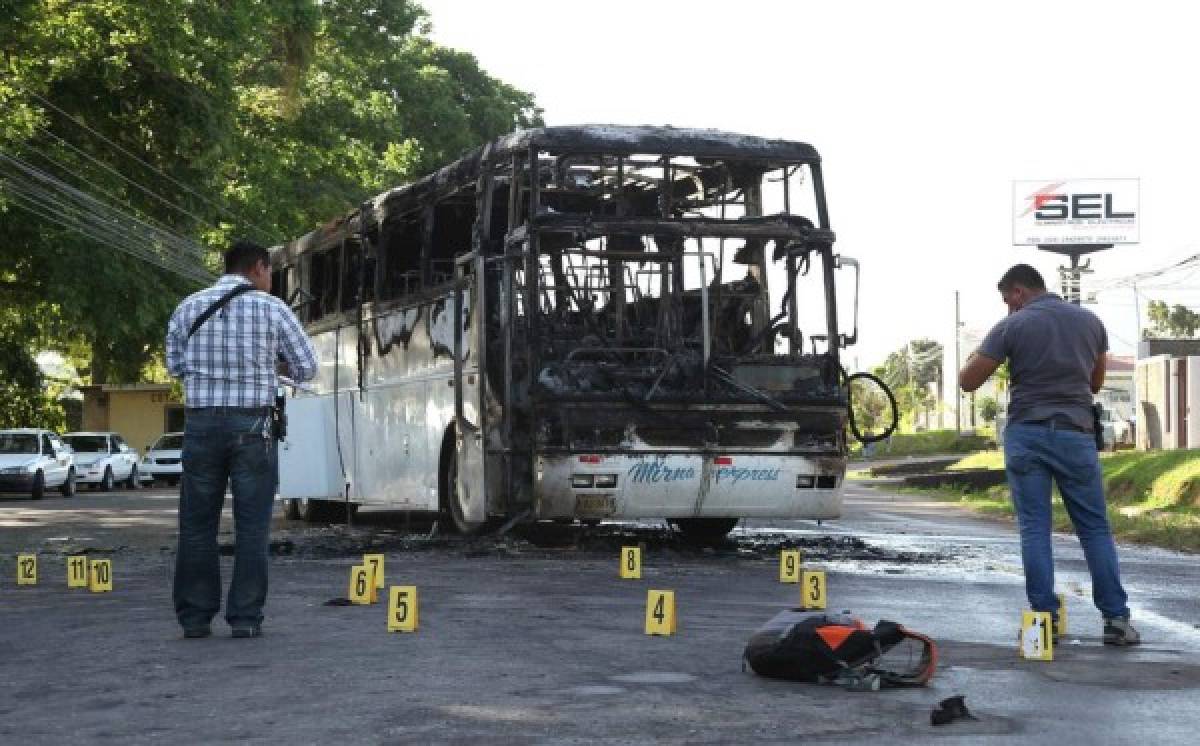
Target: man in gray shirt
1055,352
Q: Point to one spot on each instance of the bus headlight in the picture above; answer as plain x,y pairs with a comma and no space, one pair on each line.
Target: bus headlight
581,481
606,481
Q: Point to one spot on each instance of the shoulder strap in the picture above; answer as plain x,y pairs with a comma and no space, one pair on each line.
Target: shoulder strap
221,303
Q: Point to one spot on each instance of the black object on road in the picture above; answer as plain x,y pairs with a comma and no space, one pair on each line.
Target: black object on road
951,709
820,647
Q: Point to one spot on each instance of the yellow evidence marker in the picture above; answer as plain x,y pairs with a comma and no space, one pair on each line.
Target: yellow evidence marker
362,585
812,589
660,613
1060,628
789,566
402,609
26,569
631,563
376,563
100,576
1036,641
77,571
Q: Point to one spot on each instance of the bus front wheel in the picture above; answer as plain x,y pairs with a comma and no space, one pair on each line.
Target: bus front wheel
452,503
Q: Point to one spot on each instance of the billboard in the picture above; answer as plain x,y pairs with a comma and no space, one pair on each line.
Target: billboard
1075,211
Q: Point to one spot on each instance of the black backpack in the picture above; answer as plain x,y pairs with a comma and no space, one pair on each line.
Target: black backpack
818,647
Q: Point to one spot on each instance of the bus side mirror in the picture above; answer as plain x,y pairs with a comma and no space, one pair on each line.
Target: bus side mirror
845,261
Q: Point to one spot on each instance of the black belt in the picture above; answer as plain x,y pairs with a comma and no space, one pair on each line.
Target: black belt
255,411
1061,423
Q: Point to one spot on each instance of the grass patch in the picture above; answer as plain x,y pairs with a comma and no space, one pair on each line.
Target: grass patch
1153,498
926,443
979,460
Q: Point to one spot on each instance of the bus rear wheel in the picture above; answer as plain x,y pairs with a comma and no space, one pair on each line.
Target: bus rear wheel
704,530
452,502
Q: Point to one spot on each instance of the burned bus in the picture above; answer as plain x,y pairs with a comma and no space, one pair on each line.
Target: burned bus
577,323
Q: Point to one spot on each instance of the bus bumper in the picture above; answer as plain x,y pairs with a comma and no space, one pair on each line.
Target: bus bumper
674,485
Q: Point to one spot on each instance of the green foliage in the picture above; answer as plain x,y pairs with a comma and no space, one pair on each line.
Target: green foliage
1171,321
1002,377
1153,497
988,409
929,443
267,118
909,372
870,404
24,401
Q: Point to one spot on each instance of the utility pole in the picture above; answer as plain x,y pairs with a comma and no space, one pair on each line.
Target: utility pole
1137,309
957,368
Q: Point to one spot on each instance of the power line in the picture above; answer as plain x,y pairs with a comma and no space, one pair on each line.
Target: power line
33,207
128,180
96,187
25,203
64,205
265,234
1140,278
50,189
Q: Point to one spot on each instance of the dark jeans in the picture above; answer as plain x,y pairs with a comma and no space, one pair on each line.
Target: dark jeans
222,447
1034,457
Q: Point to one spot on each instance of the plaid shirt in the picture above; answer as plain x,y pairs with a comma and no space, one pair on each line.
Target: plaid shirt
230,360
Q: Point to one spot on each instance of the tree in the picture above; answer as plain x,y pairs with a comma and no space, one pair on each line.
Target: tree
870,405
1171,321
909,371
919,362
208,120
988,409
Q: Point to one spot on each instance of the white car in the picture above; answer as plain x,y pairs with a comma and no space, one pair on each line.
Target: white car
1116,430
103,459
32,460
164,459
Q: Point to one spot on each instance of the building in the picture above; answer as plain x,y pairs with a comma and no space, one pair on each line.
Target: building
139,412
1119,389
1167,384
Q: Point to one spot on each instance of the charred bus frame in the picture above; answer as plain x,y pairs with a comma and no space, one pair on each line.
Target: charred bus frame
588,334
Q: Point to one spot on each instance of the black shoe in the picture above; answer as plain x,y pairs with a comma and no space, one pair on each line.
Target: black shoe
1118,631
193,633
255,631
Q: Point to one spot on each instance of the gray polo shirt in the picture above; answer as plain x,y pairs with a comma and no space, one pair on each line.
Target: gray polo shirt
1052,347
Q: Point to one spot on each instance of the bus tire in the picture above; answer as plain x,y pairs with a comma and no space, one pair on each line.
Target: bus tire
451,504
323,511
703,530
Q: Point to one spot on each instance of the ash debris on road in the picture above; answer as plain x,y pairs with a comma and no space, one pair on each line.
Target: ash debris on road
569,542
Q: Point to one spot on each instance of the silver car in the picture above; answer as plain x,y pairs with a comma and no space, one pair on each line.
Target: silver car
163,461
103,459
33,460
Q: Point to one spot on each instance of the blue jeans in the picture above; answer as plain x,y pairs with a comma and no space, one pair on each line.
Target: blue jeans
222,447
1033,456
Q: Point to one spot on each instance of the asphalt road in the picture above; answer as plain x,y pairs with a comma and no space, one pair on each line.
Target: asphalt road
526,644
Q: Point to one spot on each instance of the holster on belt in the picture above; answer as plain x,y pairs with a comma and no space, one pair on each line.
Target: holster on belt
279,416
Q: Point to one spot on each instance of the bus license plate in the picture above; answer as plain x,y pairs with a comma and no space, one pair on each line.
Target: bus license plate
595,504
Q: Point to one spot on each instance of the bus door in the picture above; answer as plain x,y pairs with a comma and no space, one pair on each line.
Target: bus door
468,391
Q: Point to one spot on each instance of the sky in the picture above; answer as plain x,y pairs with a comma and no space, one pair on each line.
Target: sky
924,114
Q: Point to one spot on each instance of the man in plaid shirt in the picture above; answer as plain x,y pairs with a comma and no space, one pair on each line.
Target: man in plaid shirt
228,367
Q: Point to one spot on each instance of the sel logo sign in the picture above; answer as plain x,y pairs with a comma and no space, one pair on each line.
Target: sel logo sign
1075,211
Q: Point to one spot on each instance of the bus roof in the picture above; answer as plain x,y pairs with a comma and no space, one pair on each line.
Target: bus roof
592,139
618,140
